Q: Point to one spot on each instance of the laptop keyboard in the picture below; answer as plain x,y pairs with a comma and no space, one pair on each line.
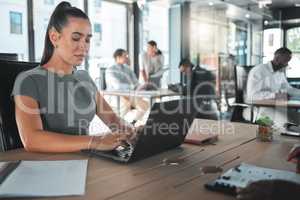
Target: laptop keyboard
124,151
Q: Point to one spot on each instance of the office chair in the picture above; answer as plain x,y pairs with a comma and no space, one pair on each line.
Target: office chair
102,80
9,56
241,76
9,135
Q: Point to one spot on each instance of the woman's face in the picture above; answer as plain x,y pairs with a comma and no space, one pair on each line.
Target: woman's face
151,50
73,43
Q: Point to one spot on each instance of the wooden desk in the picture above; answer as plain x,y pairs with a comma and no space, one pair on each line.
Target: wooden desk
292,104
151,95
146,179
275,103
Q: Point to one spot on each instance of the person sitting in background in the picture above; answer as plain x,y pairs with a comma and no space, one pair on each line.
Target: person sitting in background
55,102
197,82
151,62
268,81
121,77
274,189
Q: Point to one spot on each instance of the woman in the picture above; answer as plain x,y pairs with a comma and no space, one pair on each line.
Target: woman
151,62
55,102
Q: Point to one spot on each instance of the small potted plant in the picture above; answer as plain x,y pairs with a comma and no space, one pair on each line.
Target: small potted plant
265,129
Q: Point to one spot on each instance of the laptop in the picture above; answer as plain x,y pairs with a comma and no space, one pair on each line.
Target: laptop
165,129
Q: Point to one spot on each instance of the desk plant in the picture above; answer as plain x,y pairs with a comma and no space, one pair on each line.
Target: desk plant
265,128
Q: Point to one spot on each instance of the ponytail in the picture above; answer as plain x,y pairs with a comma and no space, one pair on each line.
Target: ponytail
58,21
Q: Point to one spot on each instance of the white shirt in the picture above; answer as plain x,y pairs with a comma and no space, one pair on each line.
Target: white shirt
263,83
120,77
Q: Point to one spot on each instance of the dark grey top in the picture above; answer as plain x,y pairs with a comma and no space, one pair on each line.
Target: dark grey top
67,103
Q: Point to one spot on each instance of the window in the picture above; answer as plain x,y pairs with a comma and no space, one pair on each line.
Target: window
98,3
156,27
15,22
49,2
109,33
12,25
272,41
293,42
97,34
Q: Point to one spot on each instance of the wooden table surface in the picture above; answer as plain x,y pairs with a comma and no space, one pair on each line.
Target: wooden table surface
274,103
147,179
148,94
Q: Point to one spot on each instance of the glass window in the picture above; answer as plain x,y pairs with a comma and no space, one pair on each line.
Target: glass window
49,2
156,27
15,22
97,32
272,41
98,3
293,43
109,33
13,15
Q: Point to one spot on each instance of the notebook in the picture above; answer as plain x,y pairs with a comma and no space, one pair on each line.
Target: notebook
198,138
43,178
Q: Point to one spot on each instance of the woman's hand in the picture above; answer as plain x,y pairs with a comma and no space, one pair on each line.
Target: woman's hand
294,154
109,141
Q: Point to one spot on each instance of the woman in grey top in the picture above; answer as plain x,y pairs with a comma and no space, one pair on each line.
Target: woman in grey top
55,102
150,63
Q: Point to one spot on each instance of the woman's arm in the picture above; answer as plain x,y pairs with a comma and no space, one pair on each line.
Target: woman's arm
34,138
144,75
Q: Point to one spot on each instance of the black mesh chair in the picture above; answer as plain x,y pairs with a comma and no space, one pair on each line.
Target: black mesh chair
9,56
9,135
102,80
241,78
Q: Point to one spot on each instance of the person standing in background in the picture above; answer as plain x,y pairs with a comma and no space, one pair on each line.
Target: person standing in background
151,62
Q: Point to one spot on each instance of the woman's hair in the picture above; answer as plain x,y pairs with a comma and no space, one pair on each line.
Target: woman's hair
118,53
58,20
186,62
154,44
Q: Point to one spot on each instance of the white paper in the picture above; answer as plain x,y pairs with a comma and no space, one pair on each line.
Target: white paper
46,179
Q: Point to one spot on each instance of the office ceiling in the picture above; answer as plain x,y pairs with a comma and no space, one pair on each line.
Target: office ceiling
241,3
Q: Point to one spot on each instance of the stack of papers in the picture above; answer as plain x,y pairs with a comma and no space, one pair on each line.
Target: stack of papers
45,179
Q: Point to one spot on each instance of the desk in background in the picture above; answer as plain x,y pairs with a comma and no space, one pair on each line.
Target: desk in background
293,104
151,95
148,179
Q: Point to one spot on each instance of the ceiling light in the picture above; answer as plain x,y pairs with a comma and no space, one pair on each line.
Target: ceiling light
210,3
263,3
266,22
247,15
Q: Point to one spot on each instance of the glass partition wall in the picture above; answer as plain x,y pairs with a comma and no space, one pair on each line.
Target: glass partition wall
222,36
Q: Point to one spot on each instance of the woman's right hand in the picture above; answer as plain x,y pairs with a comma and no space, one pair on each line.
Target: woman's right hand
294,154
108,142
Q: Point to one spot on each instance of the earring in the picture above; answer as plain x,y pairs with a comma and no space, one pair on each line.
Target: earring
56,46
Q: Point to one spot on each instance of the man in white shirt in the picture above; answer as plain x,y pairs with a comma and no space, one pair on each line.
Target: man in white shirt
121,77
268,81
